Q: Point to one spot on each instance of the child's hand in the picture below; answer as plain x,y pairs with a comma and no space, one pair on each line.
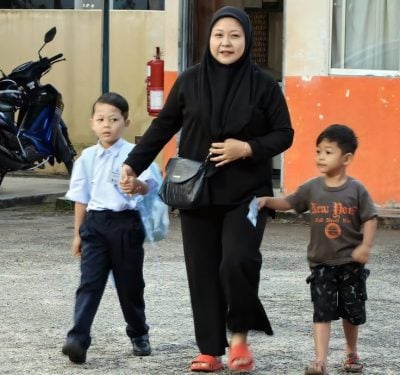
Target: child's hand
262,202
76,248
361,254
274,203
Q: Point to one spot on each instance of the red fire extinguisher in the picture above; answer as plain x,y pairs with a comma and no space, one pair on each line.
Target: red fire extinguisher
155,84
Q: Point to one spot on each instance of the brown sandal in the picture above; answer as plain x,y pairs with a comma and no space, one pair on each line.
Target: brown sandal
352,363
316,368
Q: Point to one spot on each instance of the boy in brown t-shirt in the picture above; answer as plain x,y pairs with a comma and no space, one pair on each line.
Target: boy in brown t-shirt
340,207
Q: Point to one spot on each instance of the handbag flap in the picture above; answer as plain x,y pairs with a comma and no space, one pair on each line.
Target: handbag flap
180,170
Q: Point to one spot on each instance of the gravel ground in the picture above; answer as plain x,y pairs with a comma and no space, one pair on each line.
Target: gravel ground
38,279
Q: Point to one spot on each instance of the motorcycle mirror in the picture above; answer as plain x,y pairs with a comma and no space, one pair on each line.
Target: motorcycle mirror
48,37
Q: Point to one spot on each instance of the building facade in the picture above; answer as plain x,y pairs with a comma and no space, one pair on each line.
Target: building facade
338,61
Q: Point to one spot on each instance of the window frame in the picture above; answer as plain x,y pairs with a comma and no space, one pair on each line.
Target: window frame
76,7
351,71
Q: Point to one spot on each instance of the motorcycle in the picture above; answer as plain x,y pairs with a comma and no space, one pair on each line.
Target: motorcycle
38,135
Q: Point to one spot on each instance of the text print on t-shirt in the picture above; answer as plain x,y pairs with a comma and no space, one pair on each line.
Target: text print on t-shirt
332,215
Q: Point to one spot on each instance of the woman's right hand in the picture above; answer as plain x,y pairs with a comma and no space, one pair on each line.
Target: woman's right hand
127,174
126,171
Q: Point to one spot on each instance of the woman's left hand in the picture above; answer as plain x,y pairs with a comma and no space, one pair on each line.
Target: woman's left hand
229,150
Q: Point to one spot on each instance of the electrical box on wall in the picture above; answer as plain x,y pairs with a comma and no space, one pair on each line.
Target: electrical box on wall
89,4
121,4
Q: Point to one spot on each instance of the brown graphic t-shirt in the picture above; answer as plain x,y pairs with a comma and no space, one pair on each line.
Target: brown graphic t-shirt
336,218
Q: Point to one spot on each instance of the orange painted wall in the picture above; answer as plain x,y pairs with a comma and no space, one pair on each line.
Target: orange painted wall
370,105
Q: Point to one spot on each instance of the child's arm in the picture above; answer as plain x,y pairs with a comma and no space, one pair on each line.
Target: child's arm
362,252
79,218
275,203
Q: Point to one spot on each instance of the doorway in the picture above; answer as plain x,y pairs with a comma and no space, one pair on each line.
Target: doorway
267,20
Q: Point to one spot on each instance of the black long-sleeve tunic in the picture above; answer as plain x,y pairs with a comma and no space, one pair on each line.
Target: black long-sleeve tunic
267,129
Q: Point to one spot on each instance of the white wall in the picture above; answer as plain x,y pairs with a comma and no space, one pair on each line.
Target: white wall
307,35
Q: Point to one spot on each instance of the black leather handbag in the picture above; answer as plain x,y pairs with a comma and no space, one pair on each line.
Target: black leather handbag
183,184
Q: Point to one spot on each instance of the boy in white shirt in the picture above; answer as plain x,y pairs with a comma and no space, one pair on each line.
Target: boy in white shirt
108,230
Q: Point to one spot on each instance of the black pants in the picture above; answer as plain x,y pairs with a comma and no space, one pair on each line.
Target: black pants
223,262
110,241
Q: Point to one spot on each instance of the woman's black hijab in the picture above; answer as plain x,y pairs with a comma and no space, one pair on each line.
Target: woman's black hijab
225,90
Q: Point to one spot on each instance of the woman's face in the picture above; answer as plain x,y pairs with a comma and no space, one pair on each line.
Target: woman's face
227,40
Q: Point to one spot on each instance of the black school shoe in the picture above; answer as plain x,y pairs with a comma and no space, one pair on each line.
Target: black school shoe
75,351
141,346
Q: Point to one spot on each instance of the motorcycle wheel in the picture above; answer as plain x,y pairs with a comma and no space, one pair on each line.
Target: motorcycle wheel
2,175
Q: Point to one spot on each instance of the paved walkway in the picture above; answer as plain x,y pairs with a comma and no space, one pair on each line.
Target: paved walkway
38,278
17,190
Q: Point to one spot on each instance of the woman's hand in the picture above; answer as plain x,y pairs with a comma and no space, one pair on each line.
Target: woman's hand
228,151
132,185
126,182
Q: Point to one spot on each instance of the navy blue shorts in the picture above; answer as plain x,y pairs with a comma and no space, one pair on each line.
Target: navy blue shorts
339,292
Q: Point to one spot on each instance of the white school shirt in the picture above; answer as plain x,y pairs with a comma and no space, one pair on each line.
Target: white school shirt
103,192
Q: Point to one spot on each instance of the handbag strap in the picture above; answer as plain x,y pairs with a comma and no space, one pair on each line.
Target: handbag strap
210,168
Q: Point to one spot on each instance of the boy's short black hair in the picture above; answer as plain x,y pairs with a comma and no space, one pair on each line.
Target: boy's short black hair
115,100
342,135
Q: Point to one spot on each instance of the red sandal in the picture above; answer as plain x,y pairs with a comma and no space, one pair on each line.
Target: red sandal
237,353
206,363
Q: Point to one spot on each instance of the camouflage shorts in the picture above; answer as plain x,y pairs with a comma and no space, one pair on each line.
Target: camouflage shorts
339,292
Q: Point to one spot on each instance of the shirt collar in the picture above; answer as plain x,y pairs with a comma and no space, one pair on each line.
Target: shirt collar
113,150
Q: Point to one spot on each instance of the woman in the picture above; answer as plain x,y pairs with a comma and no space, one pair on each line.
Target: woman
229,107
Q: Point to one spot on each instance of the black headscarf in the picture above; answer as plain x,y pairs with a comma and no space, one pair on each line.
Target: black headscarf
225,90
